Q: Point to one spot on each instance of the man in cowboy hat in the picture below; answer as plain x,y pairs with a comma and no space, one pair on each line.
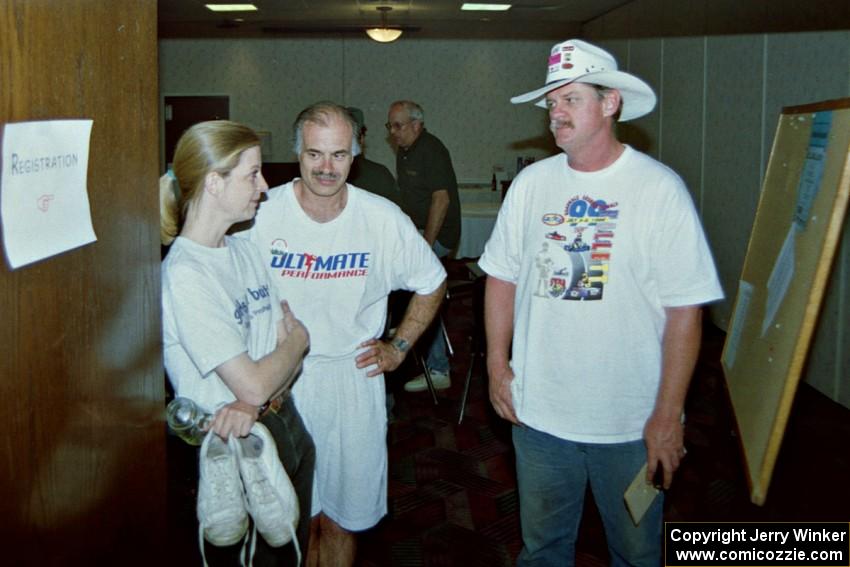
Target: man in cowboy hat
629,269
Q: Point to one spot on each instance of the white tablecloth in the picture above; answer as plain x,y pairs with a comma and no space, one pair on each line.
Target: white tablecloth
478,195
477,220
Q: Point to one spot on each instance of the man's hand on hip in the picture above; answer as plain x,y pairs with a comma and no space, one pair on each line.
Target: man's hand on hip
381,354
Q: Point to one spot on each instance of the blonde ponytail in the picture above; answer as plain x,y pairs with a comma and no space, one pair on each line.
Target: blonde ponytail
169,209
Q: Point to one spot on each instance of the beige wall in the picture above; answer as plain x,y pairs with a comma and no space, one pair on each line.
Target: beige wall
719,101
463,85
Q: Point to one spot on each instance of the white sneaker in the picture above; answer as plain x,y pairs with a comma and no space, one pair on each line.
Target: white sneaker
271,497
441,381
222,516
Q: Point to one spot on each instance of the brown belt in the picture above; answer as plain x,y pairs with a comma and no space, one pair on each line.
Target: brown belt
273,405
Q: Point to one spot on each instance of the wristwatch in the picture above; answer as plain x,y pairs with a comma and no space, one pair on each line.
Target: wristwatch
400,345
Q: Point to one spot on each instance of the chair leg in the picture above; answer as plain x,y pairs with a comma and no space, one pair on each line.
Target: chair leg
445,332
473,349
476,341
427,375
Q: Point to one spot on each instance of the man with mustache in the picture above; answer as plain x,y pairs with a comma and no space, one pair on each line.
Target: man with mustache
628,270
337,251
429,195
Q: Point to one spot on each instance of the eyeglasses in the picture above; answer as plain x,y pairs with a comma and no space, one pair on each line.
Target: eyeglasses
390,126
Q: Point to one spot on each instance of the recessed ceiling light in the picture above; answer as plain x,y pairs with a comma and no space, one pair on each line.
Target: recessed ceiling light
231,7
485,7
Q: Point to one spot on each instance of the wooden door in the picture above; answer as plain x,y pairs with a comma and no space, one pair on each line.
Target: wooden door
82,466
181,112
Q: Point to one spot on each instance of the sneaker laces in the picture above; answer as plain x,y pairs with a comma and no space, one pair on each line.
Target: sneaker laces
241,552
222,481
224,484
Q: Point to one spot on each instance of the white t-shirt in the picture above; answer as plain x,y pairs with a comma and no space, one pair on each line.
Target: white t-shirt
337,275
217,303
596,257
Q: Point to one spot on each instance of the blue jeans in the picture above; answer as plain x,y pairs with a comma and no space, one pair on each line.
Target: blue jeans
552,475
437,358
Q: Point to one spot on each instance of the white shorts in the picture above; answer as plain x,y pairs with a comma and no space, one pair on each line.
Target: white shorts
346,413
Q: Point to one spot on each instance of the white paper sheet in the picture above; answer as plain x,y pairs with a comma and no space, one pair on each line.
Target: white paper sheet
810,178
44,204
739,318
780,278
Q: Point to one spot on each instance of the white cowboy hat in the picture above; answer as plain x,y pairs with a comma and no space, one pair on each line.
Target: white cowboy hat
575,60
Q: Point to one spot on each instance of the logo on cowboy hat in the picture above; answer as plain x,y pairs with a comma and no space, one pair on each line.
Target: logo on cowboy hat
575,60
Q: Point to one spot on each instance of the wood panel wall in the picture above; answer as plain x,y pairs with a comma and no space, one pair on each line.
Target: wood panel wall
82,459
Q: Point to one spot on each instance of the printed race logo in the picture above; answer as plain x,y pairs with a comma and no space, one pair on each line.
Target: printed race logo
573,260
585,210
553,219
315,267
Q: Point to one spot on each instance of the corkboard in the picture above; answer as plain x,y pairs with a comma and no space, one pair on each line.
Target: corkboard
797,227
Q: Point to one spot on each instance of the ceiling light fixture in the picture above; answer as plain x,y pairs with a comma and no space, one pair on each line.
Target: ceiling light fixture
231,7
383,34
485,7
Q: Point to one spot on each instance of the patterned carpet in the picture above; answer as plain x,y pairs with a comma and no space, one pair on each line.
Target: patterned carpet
452,488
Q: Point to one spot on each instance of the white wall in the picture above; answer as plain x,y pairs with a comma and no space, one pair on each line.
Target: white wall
719,102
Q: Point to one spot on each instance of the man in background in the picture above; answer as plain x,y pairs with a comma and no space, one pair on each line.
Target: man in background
593,363
429,195
367,174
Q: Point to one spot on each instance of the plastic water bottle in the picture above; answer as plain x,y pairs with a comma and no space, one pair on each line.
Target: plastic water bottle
187,420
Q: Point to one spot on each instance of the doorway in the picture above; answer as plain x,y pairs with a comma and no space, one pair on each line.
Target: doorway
181,112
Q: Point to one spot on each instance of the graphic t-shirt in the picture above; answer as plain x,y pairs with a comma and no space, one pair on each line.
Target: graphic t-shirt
337,275
596,257
217,303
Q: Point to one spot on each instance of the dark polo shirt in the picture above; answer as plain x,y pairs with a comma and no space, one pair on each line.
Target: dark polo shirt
375,178
423,168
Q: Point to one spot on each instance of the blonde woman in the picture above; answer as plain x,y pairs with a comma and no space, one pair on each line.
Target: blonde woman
229,345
